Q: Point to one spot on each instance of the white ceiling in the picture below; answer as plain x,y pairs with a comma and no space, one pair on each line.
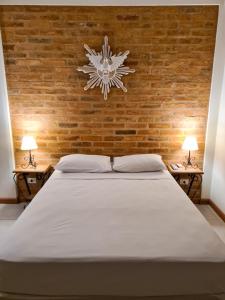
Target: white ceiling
112,2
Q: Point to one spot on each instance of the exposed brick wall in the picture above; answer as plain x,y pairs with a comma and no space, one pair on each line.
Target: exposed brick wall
171,49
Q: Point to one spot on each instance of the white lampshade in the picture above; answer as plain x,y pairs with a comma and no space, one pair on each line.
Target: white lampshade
190,143
28,143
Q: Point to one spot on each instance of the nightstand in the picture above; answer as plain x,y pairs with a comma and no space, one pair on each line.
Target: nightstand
29,181
194,175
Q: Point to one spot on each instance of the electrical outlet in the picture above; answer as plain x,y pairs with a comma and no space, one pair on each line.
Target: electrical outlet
31,180
184,181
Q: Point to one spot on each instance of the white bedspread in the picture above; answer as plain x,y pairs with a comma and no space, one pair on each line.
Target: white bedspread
112,234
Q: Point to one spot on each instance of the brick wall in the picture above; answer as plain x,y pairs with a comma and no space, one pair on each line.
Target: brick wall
171,49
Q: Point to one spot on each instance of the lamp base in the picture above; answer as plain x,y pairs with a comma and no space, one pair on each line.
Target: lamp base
30,161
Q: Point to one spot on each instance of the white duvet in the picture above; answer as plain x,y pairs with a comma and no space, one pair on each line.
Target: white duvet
112,234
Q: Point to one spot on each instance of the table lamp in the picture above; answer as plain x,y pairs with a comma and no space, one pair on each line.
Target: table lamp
29,143
190,144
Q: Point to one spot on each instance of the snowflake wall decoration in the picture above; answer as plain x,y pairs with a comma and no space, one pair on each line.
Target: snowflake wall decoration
105,69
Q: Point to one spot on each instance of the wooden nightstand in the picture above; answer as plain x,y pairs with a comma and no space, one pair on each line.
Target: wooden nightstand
193,174
25,190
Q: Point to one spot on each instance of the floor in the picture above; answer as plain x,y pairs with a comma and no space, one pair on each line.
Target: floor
214,220
10,212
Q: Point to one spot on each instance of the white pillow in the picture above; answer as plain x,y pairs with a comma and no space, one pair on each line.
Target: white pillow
138,163
83,163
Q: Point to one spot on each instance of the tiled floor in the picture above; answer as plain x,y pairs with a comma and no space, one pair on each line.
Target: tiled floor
10,212
217,224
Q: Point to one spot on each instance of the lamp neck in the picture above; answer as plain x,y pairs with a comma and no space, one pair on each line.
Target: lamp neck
31,161
30,158
189,158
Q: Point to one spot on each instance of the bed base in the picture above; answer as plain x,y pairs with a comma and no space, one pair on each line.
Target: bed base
9,296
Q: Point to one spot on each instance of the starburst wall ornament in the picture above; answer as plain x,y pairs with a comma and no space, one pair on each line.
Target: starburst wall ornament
105,70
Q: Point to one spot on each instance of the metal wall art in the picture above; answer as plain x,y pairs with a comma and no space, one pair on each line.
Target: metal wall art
105,69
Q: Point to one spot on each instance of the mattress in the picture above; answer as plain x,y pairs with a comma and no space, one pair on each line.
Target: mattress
112,234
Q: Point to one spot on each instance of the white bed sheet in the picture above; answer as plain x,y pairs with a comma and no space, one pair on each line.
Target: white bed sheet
112,234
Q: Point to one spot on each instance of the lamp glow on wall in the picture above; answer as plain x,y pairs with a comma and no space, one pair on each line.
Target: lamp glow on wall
190,144
29,144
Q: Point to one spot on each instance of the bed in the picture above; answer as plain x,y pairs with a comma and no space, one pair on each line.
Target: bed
112,235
